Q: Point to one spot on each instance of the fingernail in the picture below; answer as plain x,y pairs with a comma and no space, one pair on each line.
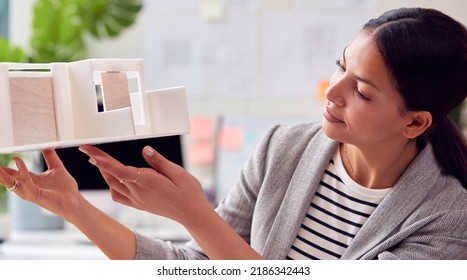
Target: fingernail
16,159
148,151
83,149
92,161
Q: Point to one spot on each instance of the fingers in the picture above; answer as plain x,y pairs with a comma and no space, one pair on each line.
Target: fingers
161,164
8,170
118,177
16,180
109,178
23,170
51,159
115,169
114,172
121,197
92,151
6,178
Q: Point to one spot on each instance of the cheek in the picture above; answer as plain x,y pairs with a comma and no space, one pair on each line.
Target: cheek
373,119
377,124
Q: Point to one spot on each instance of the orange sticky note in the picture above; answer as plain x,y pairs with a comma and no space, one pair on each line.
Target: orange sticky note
202,129
321,89
231,138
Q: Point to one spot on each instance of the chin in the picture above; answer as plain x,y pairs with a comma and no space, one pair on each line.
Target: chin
331,131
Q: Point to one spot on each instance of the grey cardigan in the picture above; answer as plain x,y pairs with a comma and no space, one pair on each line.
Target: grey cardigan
424,216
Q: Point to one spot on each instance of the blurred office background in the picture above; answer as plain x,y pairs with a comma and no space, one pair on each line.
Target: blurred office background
242,58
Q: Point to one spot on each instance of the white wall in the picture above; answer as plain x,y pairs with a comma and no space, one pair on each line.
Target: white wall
454,8
132,45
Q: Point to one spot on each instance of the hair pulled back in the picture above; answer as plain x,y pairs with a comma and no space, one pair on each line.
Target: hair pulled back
426,53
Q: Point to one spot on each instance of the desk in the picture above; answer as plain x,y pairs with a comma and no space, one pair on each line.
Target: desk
67,243
70,244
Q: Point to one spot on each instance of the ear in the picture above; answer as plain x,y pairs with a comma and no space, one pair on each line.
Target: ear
418,122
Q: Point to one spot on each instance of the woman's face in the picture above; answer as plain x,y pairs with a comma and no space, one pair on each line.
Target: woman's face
363,107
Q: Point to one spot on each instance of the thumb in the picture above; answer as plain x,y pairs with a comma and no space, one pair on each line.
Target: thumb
163,165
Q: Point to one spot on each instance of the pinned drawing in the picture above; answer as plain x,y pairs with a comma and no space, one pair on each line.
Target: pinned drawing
56,105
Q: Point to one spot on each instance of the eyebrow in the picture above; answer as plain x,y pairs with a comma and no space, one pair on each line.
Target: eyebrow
366,81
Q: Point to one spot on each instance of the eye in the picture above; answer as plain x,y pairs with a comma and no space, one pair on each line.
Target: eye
360,95
339,65
356,90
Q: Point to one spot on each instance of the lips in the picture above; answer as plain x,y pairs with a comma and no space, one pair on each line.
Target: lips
330,117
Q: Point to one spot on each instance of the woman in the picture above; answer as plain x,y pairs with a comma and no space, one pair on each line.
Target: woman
383,177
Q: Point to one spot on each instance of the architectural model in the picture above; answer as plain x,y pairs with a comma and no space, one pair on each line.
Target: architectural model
56,105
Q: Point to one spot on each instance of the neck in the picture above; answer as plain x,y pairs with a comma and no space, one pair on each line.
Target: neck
378,167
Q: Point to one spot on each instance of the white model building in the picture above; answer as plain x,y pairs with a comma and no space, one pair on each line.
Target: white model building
56,104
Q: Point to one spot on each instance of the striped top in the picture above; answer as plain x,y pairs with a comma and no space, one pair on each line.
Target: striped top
338,210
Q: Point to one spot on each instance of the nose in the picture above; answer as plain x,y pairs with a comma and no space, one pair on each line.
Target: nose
334,93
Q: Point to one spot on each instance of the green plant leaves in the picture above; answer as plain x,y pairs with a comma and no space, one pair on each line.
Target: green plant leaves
10,53
108,18
5,159
59,25
57,31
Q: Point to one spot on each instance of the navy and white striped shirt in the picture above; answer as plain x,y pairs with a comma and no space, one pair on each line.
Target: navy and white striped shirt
338,210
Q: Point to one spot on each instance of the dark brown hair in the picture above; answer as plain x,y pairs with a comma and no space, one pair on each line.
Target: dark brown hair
426,53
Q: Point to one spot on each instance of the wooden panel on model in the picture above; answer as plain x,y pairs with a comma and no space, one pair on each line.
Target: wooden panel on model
115,90
33,112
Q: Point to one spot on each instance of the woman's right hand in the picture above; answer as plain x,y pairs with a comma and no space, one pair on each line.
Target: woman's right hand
55,189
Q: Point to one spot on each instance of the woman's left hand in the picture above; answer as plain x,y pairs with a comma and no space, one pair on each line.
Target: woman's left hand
167,189
170,191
